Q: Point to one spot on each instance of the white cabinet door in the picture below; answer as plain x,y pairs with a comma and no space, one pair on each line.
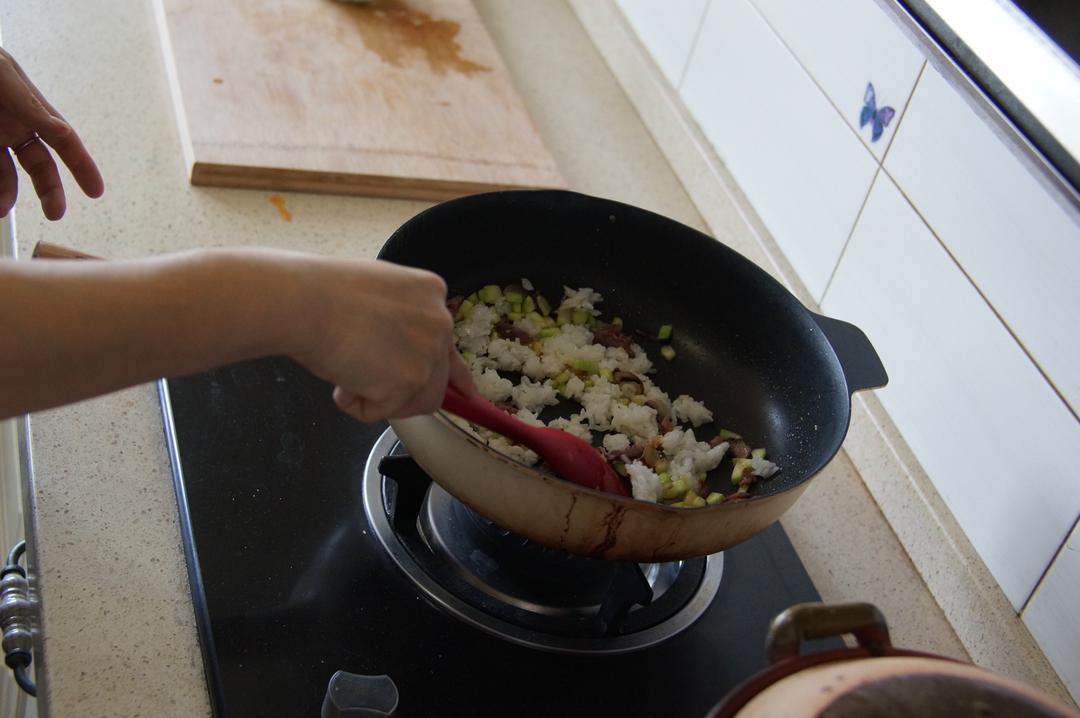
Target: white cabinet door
996,440
845,45
1019,246
667,29
800,165
1053,615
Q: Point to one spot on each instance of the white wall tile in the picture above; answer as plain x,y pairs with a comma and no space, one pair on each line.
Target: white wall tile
1019,246
995,439
1054,614
790,151
667,29
844,44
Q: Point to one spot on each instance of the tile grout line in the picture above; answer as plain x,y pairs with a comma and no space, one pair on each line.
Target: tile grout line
1062,547
903,113
814,80
693,46
851,233
982,295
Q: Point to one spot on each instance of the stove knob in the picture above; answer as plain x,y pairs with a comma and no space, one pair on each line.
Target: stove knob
352,696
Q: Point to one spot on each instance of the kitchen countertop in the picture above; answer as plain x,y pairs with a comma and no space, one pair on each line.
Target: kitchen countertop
117,621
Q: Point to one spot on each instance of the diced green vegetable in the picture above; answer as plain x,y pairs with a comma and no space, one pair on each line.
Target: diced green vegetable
473,298
513,316
585,365
490,294
617,323
515,307
698,502
662,465
664,333
664,478
737,472
668,352
588,384
725,435
543,305
638,399
468,356
592,322
563,378
549,332
606,373
465,310
580,317
514,297
564,316
534,318
758,453
714,498
675,489
528,305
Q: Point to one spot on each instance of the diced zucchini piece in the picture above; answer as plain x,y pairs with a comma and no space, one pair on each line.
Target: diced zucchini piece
740,465
588,384
513,316
689,496
617,323
474,298
592,322
490,294
549,332
465,310
585,365
534,317
563,378
758,454
675,489
564,316
514,297
668,352
664,478
580,317
679,505
725,435
515,307
543,305
528,305
698,502
638,399
714,498
662,465
664,333
537,346
468,356
606,373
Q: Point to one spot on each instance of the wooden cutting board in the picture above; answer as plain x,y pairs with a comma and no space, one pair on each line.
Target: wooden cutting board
396,98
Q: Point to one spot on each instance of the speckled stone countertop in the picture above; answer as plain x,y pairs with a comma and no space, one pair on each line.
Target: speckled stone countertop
117,620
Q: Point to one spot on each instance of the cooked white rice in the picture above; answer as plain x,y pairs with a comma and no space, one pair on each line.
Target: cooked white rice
685,408
763,467
474,333
644,483
534,396
492,386
635,420
584,298
509,355
574,426
514,451
616,442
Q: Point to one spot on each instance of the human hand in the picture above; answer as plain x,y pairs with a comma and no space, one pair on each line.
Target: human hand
27,124
383,335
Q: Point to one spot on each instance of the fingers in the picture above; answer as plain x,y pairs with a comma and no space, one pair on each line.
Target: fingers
25,103
460,374
38,163
429,397
9,182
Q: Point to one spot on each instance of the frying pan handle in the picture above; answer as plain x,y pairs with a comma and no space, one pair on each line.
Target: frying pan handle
859,360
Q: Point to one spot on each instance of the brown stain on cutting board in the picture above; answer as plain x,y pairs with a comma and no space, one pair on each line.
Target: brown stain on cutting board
394,31
279,202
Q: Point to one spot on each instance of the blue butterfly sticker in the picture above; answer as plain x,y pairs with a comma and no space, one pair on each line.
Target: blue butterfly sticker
871,114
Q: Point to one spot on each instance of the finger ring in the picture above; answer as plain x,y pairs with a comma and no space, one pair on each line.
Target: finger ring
33,138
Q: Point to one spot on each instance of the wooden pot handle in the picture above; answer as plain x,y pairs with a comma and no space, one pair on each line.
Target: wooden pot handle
47,250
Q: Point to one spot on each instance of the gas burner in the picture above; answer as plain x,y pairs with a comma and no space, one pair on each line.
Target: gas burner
516,589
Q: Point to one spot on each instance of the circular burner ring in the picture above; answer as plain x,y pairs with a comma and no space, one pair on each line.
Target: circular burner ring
441,582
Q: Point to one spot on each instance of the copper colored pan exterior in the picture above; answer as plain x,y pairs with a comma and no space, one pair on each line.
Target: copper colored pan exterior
562,515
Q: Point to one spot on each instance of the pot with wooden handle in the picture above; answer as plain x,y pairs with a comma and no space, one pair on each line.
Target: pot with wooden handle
873,679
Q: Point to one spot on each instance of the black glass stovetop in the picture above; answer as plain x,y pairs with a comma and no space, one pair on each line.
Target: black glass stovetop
290,584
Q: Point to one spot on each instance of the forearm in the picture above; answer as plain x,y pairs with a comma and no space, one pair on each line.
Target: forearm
76,329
